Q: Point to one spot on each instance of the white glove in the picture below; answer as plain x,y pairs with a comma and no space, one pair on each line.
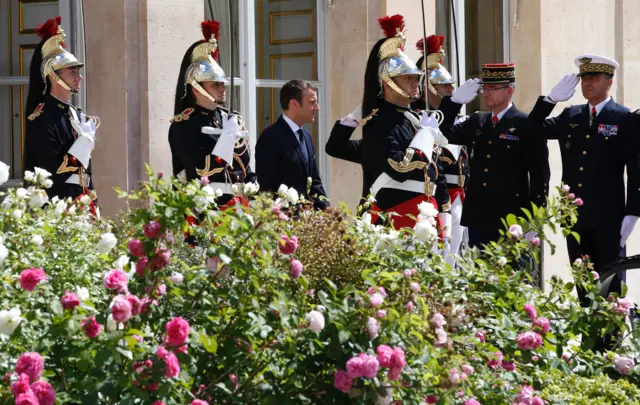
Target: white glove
428,120
564,89
353,119
424,141
229,135
446,220
628,223
84,127
85,143
466,92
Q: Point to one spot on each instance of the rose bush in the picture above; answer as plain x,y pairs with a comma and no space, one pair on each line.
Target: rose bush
181,303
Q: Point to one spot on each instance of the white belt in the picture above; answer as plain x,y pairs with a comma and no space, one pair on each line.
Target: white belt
224,187
75,179
455,179
385,181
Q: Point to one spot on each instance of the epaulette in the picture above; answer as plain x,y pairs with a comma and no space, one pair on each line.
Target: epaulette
36,113
368,117
183,116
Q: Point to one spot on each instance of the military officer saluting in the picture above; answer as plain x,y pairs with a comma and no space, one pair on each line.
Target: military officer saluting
59,137
509,166
206,139
598,140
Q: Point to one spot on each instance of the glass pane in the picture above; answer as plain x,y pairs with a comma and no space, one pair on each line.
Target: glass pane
269,110
219,10
286,39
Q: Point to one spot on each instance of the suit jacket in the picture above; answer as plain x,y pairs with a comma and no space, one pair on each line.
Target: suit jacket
594,159
279,160
509,166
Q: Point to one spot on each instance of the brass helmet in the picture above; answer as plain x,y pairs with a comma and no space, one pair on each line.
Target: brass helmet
393,62
432,63
54,56
204,66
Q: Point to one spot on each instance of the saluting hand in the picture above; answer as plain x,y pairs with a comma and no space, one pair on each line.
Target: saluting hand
564,89
466,92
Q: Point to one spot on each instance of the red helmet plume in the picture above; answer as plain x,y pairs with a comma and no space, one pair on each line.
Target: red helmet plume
391,25
211,28
49,28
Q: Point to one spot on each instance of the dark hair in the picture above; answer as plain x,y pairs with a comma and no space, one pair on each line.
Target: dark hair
36,83
184,101
292,90
372,87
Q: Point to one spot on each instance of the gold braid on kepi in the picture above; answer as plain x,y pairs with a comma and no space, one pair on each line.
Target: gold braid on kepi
393,61
54,56
432,63
595,64
204,66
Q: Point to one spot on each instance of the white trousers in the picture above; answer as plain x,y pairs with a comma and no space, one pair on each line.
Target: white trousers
457,230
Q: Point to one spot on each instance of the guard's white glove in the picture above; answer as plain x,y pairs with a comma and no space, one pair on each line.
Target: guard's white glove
428,120
466,92
628,223
229,135
424,141
564,89
85,143
446,221
353,119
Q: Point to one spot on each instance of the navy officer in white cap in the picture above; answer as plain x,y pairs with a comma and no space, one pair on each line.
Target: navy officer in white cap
597,144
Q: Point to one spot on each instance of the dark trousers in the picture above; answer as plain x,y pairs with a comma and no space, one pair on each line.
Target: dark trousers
482,236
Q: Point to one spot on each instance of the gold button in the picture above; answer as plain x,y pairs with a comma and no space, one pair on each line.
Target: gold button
517,194
488,156
508,146
490,142
606,138
484,184
580,185
486,170
588,136
582,168
584,152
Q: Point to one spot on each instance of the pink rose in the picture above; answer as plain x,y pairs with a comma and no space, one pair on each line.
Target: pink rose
177,331
441,337
161,290
199,402
535,241
454,376
481,335
526,394
121,309
535,359
162,352
136,248
509,365
31,364
91,328
407,273
622,306
21,386
282,216
30,278
296,268
381,313
372,327
116,280
136,305
571,196
541,325
529,340
397,358
172,366
342,381
410,306
414,287
531,311
495,360
566,188
394,374
370,367
624,365
288,246
467,369
204,180
595,275
355,367
515,231
44,392
471,402
69,300
373,290
158,403
537,401
160,260
384,356
27,398
141,266
431,399
153,230
579,202
376,299
275,209
438,320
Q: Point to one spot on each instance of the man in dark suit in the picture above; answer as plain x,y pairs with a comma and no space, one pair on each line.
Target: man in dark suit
284,152
597,141
509,166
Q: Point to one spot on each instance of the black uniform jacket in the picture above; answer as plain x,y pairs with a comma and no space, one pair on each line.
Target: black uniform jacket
49,136
594,159
509,164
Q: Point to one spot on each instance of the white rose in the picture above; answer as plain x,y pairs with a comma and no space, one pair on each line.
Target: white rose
176,278
321,308
218,193
37,240
6,203
366,219
9,321
29,176
112,325
235,189
48,183
4,173
38,199
83,294
4,253
282,190
42,174
106,243
292,195
251,188
85,200
427,210
60,207
387,241
502,261
425,231
22,193
121,263
17,214
316,321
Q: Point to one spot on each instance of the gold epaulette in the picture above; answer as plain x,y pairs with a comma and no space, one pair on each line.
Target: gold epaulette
183,116
368,117
36,113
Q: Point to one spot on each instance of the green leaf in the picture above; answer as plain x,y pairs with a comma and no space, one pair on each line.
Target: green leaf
209,343
56,307
125,353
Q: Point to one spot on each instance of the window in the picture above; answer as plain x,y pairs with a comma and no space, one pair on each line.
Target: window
275,41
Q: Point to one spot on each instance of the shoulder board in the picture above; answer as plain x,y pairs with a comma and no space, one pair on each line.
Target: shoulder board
183,116
36,113
368,117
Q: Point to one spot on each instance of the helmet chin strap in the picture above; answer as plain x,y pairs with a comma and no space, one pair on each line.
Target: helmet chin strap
205,93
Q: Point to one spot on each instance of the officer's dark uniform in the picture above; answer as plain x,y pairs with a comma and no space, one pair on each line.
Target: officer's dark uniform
509,167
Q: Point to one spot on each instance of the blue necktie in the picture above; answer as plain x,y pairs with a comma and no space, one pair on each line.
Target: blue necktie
303,146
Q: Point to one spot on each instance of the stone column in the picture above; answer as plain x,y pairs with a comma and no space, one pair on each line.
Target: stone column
133,54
